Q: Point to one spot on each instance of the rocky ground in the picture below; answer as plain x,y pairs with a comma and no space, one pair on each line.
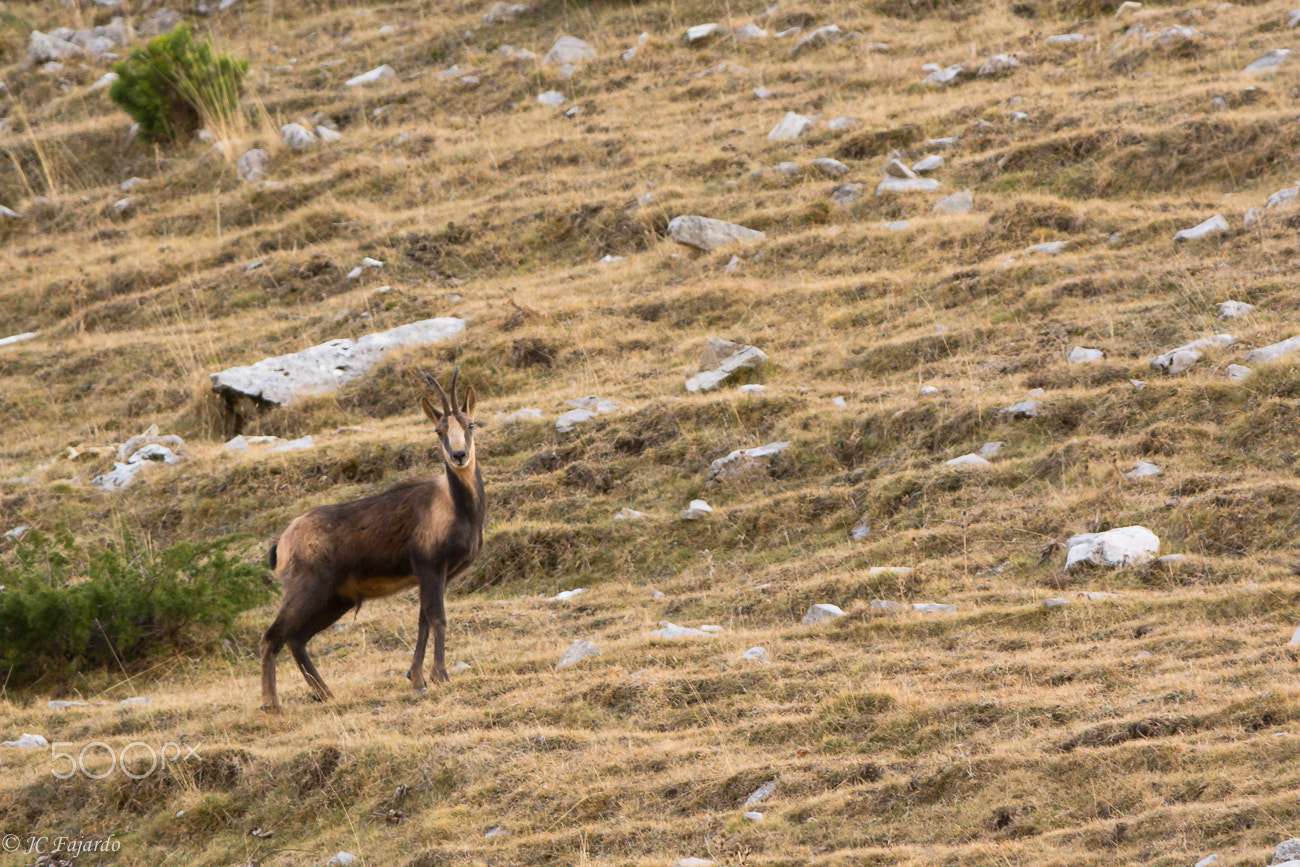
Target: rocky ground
888,417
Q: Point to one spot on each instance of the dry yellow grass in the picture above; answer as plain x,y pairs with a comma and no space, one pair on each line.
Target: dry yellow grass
1002,733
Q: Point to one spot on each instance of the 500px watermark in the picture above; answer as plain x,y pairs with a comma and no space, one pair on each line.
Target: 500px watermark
45,845
145,760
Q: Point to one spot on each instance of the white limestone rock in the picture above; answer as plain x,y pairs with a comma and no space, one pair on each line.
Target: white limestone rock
552,98
968,462
745,460
887,605
1143,470
27,742
822,612
671,631
1024,409
1270,61
1274,351
933,607
997,64
1238,372
755,654
324,368
990,449
957,203
1179,359
379,73
297,137
1067,39
1084,355
748,33
626,514
1125,546
702,34
816,39
1213,226
1283,197
1235,309
891,184
252,166
696,510
720,359
828,166
528,413
502,12
841,124
17,338
704,233
927,164
947,76
46,47
791,127
578,652
846,194
568,49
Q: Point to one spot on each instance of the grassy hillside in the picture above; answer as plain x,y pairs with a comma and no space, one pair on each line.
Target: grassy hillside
1150,721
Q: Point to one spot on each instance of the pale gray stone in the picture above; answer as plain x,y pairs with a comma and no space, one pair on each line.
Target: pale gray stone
1047,248
1283,197
762,793
1253,216
896,169
819,37
1235,309
1179,359
578,652
933,607
1083,355
1270,61
1274,351
708,234
1293,18
828,166
1125,546
568,49
821,612
950,75
105,80
886,605
379,73
670,631
1212,226
696,510
1238,372
297,137
720,359
27,742
958,203
324,368
928,164
46,47
998,64
788,169
846,194
701,34
989,449
1024,409
1143,470
762,93
791,127
1055,602
1287,850
749,32
502,12
745,460
891,184
1065,39
17,338
968,462
840,124
552,98
252,166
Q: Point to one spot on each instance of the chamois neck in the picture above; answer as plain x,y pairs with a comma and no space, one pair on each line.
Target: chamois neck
465,485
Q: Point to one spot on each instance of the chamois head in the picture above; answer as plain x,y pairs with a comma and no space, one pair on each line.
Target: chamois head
454,422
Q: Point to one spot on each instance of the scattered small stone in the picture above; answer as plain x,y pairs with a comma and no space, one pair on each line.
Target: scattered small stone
568,49
297,137
722,358
927,390
927,164
1293,19
895,168
609,259
762,93
755,654
1067,39
1274,351
819,37
1207,861
945,76
1235,309
745,460
252,166
578,652
791,127
693,862
946,142
988,450
788,32
788,169
1238,372
1055,602
626,514
1097,596
894,571
496,831
846,194
377,74
1270,61
1125,546
902,226
1024,409
552,98
27,742
342,859
752,388
1179,359
105,80
967,462
1287,850
733,264
957,203
860,531
502,12
696,510
749,32
933,607
16,533
821,612
997,64
1137,384
459,667
891,184
139,699
1212,226
17,338
528,413
566,595
840,124
1143,470
828,166
1084,355
752,816
708,234
670,631
1019,117
702,34
1049,248
761,794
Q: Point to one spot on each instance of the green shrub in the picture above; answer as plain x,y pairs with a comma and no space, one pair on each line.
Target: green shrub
64,608
174,85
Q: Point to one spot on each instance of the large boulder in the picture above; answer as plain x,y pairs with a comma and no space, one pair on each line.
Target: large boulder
1125,546
324,368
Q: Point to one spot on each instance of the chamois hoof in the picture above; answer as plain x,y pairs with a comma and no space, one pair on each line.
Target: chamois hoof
422,689
271,708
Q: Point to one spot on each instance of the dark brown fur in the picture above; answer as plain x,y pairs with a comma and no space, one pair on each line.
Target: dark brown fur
418,534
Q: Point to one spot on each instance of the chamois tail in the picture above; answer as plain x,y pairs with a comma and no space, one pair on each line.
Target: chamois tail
270,557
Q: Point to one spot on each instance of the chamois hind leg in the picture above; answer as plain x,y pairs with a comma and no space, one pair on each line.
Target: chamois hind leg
271,643
318,621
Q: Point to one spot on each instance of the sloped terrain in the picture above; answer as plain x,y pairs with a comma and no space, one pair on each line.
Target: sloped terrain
1149,720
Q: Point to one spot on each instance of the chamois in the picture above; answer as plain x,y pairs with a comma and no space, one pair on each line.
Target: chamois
333,558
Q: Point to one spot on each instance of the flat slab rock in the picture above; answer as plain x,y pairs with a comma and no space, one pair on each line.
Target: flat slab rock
707,234
577,653
720,359
324,368
1274,351
823,611
745,460
1178,360
1125,546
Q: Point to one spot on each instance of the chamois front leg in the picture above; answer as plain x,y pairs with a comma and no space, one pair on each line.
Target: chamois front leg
433,615
416,674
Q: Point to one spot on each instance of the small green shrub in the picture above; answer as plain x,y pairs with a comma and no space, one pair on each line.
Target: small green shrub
174,85
64,608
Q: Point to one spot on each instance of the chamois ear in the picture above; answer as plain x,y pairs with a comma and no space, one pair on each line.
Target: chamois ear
470,400
430,410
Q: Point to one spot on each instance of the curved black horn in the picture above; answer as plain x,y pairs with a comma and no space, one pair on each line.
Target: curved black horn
455,402
445,407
